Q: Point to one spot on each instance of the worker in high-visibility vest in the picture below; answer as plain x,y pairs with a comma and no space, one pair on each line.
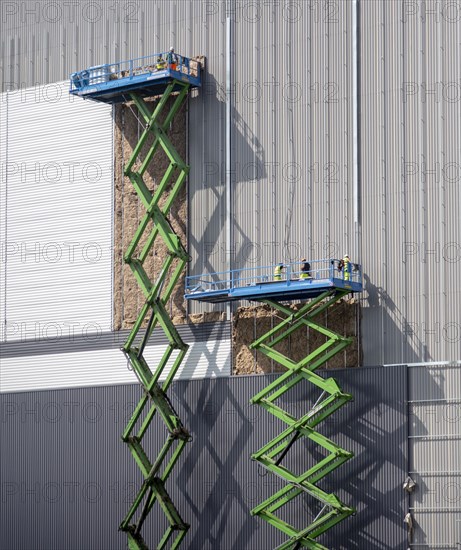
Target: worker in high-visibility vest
278,272
305,270
161,63
347,267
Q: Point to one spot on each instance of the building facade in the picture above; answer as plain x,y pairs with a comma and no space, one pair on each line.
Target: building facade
322,127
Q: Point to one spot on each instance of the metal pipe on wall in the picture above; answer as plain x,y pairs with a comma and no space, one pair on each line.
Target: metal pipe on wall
356,128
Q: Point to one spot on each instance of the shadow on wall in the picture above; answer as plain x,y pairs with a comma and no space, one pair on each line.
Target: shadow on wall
379,314
80,475
221,484
249,167
374,427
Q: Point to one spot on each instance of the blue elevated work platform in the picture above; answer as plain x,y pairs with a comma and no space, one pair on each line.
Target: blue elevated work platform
258,283
146,76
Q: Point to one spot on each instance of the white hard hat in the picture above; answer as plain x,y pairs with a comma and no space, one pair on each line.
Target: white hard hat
171,49
346,255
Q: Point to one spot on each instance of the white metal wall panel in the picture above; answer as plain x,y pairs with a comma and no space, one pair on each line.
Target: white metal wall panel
434,449
204,359
60,215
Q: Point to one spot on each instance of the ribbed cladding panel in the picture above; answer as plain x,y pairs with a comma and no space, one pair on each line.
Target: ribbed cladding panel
62,38
60,214
392,187
87,362
414,135
372,174
107,340
435,447
411,142
448,240
338,104
81,477
292,133
207,143
410,292
3,200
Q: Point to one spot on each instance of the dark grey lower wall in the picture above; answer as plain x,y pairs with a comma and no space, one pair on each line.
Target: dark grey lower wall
66,479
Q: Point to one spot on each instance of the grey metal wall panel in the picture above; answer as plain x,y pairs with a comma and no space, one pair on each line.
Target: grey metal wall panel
292,146
410,131
292,133
3,218
63,464
434,450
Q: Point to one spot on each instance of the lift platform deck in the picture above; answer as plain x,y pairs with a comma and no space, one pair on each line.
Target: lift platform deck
258,283
146,76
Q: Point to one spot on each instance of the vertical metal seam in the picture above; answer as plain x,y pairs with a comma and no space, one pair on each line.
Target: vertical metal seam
383,184
407,431
355,116
442,190
424,187
404,199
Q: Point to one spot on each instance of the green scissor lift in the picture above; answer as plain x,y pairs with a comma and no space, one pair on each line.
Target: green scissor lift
331,398
127,82
132,81
157,294
318,293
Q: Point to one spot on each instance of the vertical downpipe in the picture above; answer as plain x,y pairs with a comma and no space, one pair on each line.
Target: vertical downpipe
356,130
228,148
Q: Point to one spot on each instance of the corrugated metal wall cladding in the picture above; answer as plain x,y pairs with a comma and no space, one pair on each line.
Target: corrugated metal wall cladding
71,341
433,491
291,139
60,214
3,206
292,96
435,381
83,477
428,536
410,128
97,367
434,417
434,414
439,454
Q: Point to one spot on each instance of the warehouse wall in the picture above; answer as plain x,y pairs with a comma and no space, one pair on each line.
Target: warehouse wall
410,180
434,412
64,464
293,167
57,214
95,359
